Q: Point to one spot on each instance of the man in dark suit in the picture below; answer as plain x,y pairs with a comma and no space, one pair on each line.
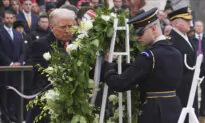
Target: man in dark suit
12,54
27,16
198,39
42,28
180,20
61,20
158,68
117,6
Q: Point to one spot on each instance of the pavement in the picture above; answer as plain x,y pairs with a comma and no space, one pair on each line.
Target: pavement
202,119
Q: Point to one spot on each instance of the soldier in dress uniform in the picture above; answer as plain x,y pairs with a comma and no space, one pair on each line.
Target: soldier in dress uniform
158,70
180,21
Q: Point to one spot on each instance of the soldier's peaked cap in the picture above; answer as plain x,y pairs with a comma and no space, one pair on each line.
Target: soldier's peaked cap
144,18
184,13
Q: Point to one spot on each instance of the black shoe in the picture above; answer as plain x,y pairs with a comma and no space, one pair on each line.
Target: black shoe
13,119
5,118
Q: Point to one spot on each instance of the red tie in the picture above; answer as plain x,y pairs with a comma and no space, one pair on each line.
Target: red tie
65,44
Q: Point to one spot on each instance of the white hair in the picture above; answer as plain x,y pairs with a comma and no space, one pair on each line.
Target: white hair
60,13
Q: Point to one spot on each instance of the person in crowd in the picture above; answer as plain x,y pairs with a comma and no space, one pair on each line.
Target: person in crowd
27,16
180,21
117,6
167,29
60,20
163,19
127,8
12,55
50,6
70,7
80,15
6,3
35,8
191,32
157,74
94,3
81,1
168,7
198,39
43,7
19,27
15,6
42,28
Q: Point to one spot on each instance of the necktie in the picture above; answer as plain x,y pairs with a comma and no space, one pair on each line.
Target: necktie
199,51
28,20
11,34
65,44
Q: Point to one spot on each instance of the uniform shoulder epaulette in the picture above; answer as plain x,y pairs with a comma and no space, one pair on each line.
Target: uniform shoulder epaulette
168,37
147,54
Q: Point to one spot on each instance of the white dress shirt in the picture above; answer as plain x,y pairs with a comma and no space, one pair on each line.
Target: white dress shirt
10,32
161,37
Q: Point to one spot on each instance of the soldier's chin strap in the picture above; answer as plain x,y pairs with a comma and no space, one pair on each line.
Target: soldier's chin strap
29,96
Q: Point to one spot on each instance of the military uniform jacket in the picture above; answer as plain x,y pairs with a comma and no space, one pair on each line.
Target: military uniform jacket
181,44
158,68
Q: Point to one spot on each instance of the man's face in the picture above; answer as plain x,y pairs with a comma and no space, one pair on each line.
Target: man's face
161,15
9,19
6,3
43,23
15,6
27,5
183,25
117,3
20,29
61,29
198,27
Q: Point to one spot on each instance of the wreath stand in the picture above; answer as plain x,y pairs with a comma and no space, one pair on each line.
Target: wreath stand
97,73
196,79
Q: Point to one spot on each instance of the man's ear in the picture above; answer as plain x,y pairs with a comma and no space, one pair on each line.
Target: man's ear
3,20
154,27
51,27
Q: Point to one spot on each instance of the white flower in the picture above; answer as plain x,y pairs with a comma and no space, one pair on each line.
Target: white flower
113,15
50,68
72,47
82,35
113,98
88,25
47,56
51,95
105,17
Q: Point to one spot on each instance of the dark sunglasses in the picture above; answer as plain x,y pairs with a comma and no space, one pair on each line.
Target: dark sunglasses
139,31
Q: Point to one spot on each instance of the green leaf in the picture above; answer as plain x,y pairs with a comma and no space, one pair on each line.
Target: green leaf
110,32
95,42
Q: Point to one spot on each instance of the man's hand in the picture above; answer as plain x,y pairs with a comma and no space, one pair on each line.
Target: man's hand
106,57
